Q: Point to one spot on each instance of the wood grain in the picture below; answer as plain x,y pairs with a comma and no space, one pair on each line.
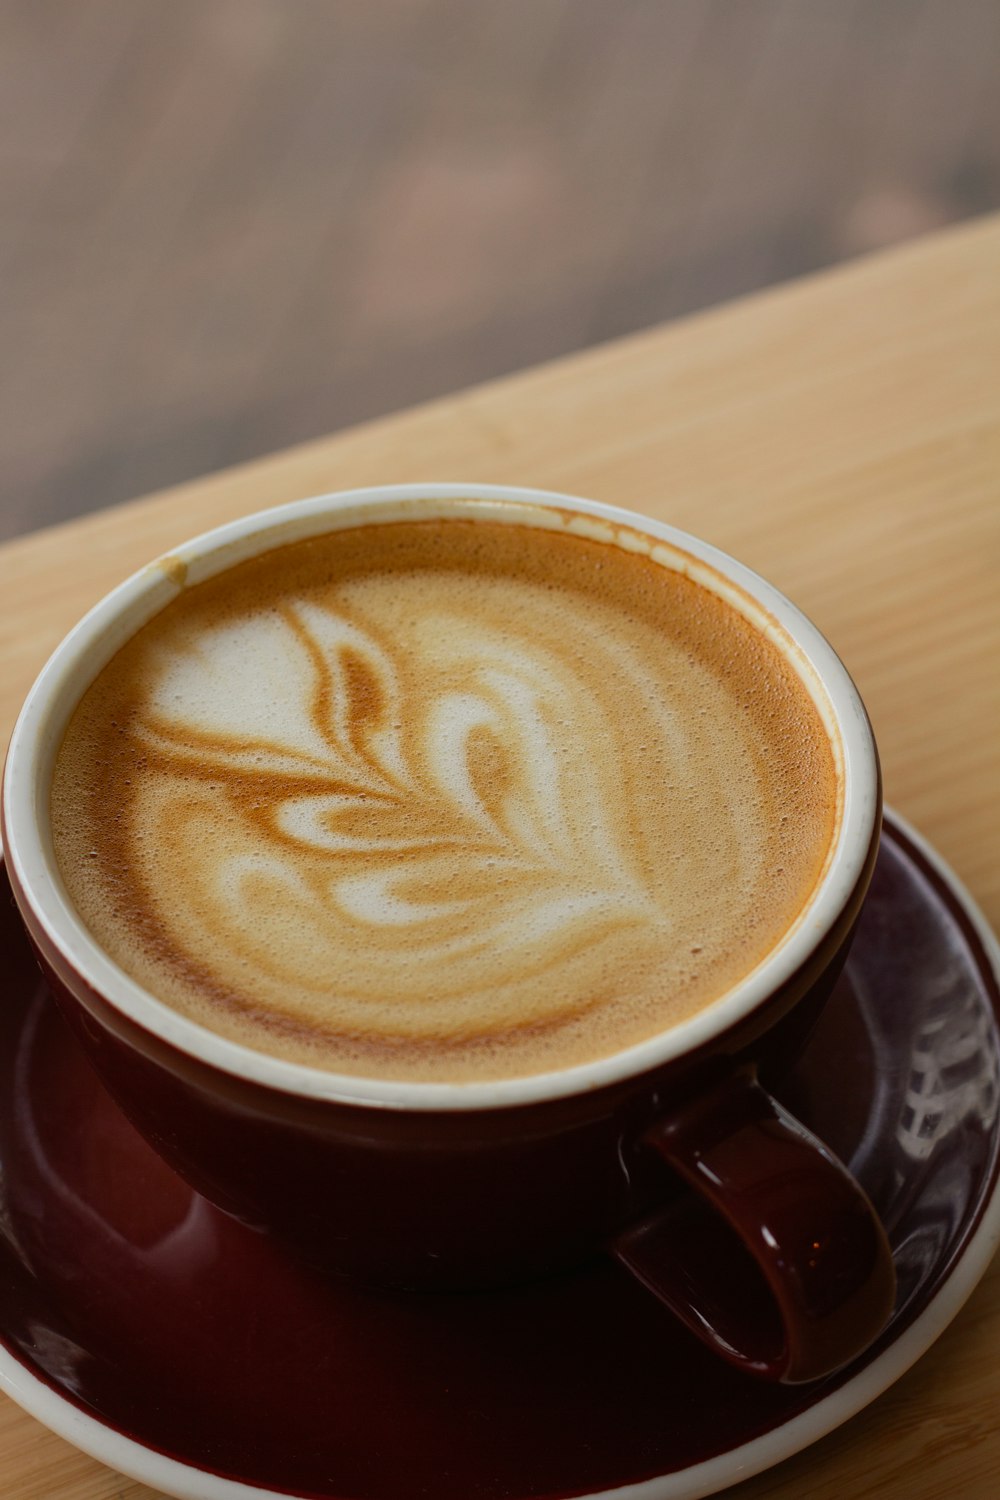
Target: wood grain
841,435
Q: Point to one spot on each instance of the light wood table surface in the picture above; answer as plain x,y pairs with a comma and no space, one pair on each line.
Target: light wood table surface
842,436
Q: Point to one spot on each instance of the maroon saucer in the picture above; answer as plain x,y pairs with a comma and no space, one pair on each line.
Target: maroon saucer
136,1302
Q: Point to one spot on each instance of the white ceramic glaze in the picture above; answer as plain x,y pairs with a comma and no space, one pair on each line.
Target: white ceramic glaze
90,645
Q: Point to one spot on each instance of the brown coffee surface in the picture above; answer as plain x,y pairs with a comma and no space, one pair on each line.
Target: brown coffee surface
444,800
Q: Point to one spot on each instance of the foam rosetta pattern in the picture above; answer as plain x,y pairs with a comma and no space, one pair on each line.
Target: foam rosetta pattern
432,814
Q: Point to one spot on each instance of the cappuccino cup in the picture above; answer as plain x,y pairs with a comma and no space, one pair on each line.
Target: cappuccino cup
432,872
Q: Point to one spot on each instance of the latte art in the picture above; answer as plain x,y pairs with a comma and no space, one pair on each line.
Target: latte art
443,800
474,832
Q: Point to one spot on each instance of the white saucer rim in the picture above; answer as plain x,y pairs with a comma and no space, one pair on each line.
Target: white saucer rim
186,1481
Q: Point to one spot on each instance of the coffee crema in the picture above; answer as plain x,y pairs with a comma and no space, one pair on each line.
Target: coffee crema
444,800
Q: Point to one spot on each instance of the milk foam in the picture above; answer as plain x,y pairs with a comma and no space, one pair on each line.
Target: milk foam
443,800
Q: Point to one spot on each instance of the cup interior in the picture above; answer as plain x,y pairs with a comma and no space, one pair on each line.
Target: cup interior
112,622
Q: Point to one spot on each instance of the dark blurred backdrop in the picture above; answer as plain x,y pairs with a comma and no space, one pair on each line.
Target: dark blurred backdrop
228,225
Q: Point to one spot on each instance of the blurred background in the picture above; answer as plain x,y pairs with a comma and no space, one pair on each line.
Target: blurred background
229,225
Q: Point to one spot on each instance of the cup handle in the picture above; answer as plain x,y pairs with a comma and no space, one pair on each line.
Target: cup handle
802,1280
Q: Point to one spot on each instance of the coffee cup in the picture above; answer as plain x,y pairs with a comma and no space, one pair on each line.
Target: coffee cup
432,872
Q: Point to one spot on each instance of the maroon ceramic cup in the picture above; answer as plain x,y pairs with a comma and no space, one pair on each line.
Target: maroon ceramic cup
670,1155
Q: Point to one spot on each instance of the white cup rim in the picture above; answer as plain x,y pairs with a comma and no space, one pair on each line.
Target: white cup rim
114,618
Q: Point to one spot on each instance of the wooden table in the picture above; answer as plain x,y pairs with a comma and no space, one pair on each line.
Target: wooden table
842,436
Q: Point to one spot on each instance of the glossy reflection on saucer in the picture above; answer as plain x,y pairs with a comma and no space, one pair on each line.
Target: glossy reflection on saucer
137,1301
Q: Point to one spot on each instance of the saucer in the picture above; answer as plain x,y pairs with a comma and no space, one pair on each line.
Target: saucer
192,1354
